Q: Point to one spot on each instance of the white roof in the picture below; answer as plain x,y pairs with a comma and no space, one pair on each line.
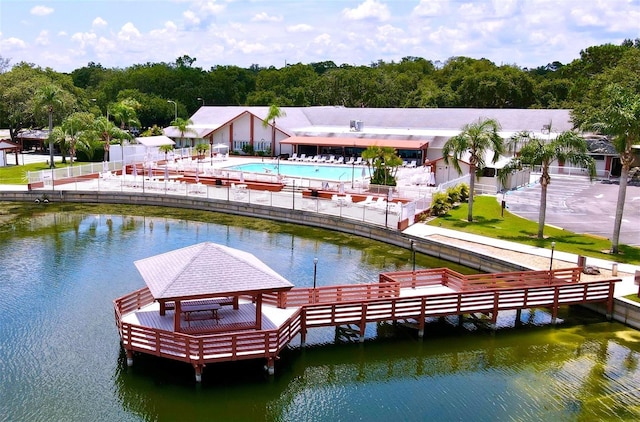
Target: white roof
154,141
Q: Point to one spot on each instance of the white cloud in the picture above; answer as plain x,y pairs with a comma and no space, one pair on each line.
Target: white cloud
98,23
302,27
41,10
388,33
128,32
191,18
370,9
323,39
84,38
43,38
265,17
427,8
12,43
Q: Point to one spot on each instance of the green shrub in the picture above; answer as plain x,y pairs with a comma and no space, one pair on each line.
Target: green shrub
453,194
440,204
464,192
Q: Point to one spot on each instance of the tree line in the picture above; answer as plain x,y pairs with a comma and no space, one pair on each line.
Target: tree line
411,82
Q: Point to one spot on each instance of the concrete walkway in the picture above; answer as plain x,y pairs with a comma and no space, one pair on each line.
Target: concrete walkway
530,256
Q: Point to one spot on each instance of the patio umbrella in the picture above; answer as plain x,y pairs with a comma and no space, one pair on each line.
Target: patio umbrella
105,166
135,171
166,172
241,177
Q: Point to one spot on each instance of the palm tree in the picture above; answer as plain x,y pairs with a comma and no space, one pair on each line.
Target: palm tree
49,96
183,126
476,140
125,113
385,164
166,148
567,147
619,117
274,112
106,130
74,127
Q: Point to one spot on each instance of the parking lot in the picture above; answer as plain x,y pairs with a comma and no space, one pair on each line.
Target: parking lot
580,206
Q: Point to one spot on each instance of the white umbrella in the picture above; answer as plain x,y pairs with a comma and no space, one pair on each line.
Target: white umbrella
220,146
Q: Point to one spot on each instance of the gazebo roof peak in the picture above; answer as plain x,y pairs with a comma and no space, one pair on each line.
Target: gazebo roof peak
208,269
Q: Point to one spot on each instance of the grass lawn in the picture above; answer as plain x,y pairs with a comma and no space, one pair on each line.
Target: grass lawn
489,222
633,297
17,175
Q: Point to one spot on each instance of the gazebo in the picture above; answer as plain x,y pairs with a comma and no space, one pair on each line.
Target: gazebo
201,277
6,145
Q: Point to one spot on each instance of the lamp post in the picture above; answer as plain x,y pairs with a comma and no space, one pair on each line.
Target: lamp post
353,169
175,109
315,271
413,254
201,99
553,246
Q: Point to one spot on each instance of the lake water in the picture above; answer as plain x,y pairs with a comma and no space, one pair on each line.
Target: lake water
60,357
308,171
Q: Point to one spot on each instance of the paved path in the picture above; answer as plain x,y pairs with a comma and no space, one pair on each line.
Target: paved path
529,256
580,206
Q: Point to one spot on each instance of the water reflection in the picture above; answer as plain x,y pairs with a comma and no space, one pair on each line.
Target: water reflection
61,359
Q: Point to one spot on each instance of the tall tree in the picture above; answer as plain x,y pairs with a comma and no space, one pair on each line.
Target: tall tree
125,112
474,142
274,113
49,97
618,117
106,131
567,147
184,127
76,128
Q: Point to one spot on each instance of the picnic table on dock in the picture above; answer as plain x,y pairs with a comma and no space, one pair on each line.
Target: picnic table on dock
189,309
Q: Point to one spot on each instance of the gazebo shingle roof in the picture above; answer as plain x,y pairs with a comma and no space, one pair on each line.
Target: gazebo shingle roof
207,269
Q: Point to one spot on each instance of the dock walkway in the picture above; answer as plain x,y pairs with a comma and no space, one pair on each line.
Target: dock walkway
399,296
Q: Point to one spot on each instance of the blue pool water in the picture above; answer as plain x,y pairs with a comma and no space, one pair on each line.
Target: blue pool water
308,171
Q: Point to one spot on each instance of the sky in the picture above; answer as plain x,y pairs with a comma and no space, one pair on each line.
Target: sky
68,34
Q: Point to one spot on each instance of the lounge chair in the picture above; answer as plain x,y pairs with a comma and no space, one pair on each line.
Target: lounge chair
303,157
412,164
332,158
358,161
340,160
351,161
293,157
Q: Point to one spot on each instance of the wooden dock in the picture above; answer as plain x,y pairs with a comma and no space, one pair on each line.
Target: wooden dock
398,296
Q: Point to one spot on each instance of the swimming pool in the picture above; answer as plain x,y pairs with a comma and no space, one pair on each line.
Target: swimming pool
308,171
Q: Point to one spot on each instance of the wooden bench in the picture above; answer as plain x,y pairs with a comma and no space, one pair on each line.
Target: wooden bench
200,311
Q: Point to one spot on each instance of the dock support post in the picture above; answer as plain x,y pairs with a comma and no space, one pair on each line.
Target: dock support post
129,357
198,369
271,369
518,316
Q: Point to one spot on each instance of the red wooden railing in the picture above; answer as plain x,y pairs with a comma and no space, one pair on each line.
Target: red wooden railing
203,349
359,304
